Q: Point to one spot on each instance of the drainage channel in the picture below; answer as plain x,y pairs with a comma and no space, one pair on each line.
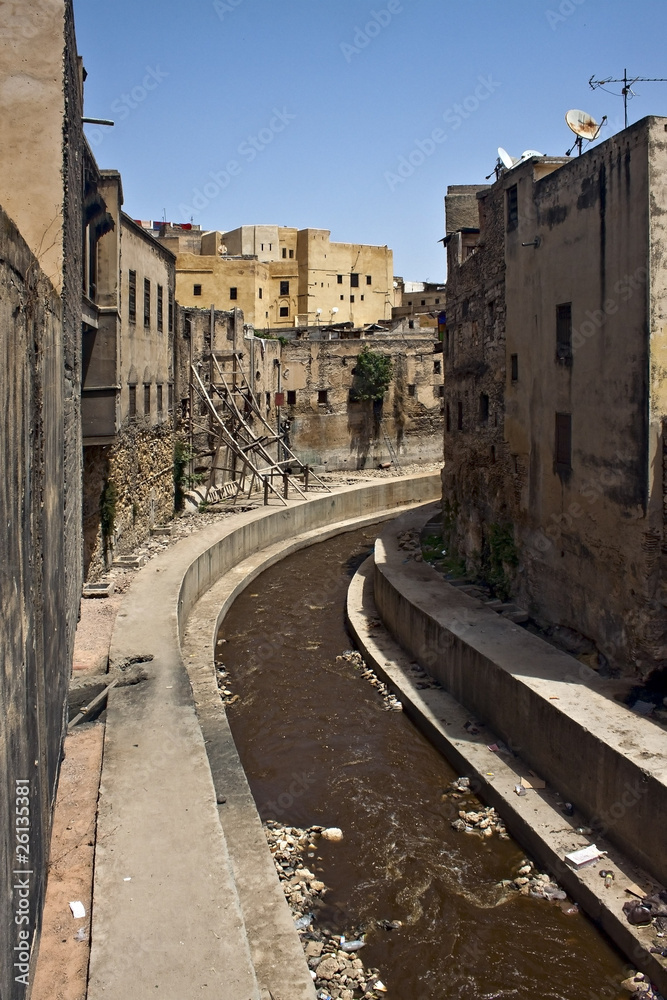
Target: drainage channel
321,747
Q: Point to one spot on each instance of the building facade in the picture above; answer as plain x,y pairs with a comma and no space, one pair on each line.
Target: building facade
555,392
128,387
283,277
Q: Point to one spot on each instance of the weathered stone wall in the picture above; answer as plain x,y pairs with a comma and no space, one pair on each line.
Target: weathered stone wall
35,641
139,465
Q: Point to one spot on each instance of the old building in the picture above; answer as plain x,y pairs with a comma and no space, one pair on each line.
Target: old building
128,386
41,191
282,277
555,396
420,302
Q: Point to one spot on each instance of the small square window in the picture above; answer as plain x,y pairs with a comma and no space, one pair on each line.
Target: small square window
514,365
437,367
351,298
284,287
354,281
441,390
342,298
437,302
339,279
196,289
291,255
423,302
284,310
369,280
361,297
284,252
291,397
322,396
133,400
233,293
411,324
411,390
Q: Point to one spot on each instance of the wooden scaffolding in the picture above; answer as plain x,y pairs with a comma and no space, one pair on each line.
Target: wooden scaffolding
249,455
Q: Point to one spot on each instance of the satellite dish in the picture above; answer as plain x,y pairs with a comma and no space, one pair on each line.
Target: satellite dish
583,125
505,158
528,153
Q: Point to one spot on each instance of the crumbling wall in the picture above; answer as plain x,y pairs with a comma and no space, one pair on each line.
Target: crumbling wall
37,611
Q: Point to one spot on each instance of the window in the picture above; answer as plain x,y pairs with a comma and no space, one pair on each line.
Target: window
448,419
233,293
437,367
322,396
484,408
351,298
284,252
267,396
291,254
291,397
512,208
361,297
459,416
339,279
196,289
342,298
147,302
132,297
284,287
369,280
171,312
284,310
437,302
159,399
441,390
514,365
563,441
564,331
260,293
411,390
423,302
354,281
170,396
411,324
160,308
133,400
147,399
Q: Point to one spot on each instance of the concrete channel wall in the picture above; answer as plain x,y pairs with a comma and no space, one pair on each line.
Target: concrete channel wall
278,525
547,706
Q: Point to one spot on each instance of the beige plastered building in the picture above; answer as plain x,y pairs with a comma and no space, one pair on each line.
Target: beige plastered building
283,277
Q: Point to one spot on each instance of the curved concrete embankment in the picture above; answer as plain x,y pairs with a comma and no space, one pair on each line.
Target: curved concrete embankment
548,708
185,892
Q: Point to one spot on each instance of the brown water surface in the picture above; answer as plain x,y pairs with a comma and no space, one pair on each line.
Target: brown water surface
318,747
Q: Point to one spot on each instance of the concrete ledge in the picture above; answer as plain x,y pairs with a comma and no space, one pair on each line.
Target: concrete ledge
534,819
545,705
167,908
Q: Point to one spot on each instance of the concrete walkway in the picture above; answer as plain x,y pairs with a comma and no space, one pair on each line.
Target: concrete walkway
168,920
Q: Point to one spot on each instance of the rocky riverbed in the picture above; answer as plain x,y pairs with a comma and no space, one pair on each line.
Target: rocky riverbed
337,970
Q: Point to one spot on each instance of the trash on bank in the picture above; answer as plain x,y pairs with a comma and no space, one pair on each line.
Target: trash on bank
585,856
78,909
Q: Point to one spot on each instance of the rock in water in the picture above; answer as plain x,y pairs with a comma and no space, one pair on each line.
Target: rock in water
332,833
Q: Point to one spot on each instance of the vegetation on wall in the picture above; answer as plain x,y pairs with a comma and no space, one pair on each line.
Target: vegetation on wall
108,500
181,459
373,373
499,558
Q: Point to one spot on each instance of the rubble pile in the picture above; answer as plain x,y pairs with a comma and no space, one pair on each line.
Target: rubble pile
222,680
483,820
337,970
529,881
410,542
392,704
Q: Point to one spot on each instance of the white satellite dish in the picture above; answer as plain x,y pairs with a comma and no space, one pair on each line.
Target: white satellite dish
583,124
529,153
505,158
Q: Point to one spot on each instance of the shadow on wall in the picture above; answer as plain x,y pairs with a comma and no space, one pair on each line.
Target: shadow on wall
95,475
363,425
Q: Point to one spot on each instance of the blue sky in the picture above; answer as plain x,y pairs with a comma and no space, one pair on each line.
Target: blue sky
348,115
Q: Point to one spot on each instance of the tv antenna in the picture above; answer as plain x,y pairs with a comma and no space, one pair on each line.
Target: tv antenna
627,93
584,126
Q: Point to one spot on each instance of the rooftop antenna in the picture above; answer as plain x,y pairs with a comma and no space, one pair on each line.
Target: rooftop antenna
504,162
584,126
626,92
